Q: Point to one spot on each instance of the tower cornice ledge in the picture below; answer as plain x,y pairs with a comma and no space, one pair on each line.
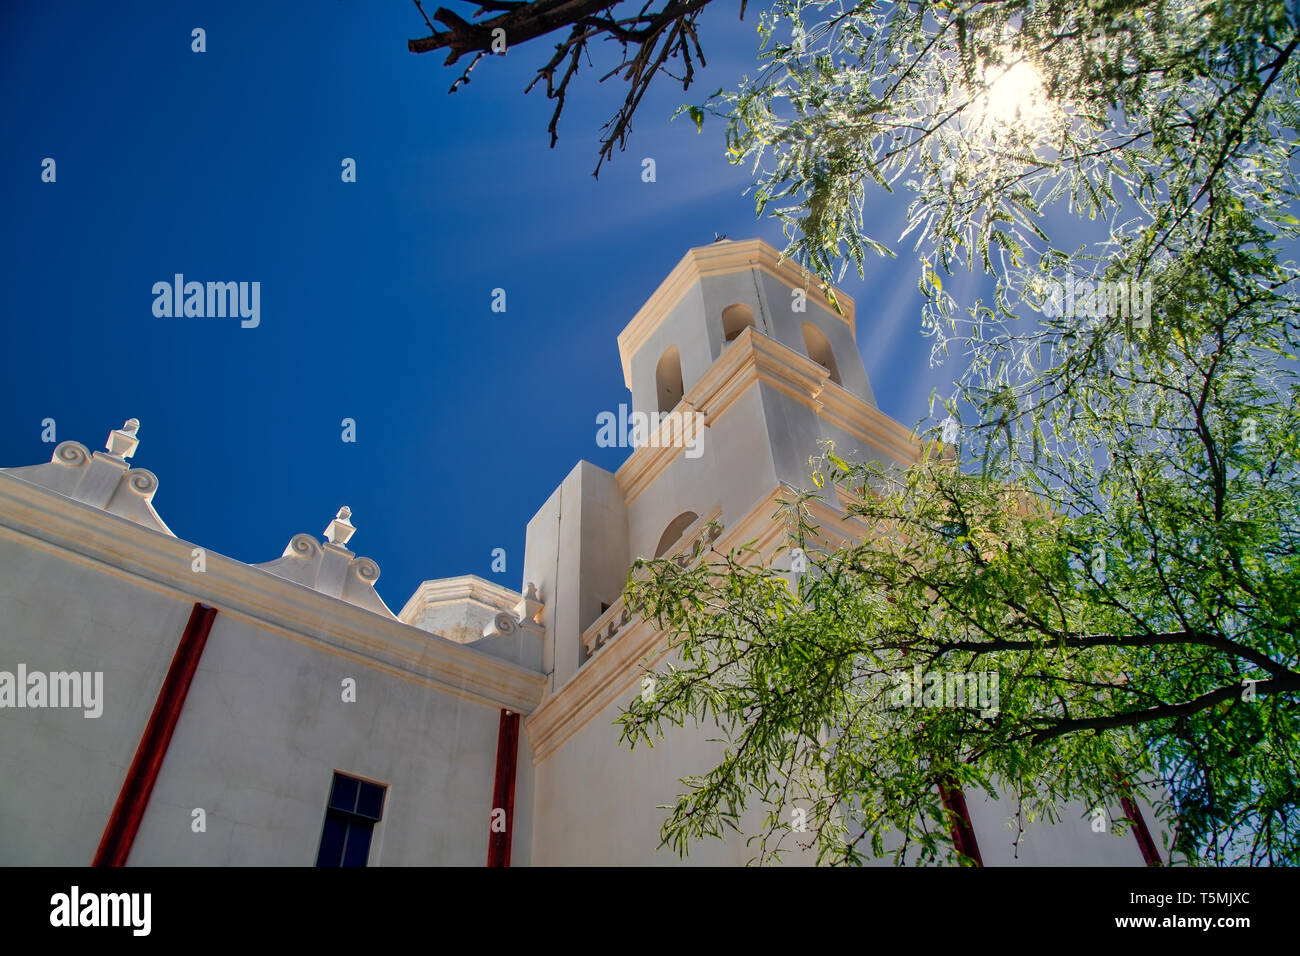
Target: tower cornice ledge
752,359
721,258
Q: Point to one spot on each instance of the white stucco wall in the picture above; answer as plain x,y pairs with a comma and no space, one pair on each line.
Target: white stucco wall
264,724
576,552
733,471
600,800
61,771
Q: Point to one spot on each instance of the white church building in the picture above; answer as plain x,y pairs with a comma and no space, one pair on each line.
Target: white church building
161,704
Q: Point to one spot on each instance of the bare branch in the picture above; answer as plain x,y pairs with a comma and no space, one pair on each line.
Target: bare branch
651,41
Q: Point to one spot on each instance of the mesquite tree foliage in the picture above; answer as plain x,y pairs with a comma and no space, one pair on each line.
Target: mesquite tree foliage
1113,528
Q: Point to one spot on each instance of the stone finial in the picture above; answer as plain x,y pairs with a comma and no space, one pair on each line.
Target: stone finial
122,441
101,479
340,529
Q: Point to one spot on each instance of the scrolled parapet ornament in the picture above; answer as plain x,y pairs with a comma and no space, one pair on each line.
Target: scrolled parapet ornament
142,481
329,567
503,624
302,545
71,453
367,570
101,479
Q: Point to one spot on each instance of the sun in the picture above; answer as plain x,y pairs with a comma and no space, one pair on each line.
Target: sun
1013,96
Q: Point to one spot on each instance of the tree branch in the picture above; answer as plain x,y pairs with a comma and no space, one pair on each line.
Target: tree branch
1277,685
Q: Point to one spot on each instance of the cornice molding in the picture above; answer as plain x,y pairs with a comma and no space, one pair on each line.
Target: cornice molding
465,587
721,258
752,358
113,545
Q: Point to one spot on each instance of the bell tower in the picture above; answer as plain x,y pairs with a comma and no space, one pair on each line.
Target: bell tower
748,347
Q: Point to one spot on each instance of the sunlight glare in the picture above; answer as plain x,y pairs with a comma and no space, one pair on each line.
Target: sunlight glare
1014,96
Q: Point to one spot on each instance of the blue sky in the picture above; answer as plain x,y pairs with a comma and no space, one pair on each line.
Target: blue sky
375,296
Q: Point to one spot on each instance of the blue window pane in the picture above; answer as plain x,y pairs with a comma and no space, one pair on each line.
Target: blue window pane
332,840
357,851
344,794
354,807
371,801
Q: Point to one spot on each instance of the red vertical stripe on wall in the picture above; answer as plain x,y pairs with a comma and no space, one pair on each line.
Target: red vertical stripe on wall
963,831
503,790
1147,845
120,832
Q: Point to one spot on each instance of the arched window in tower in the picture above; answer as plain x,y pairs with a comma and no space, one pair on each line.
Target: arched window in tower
674,531
668,379
819,350
735,319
